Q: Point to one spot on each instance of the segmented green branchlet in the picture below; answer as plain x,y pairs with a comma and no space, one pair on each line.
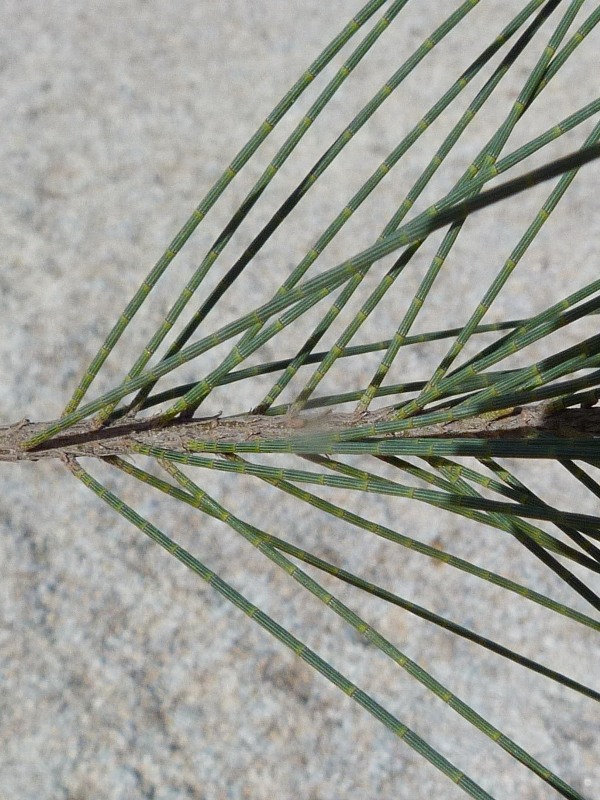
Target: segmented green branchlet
550,447
583,355
349,30
434,269
436,619
353,204
274,166
519,491
372,527
550,368
387,89
354,580
342,140
407,204
522,491
548,321
411,232
319,287
312,358
539,543
469,384
256,537
585,479
534,539
296,645
419,611
551,319
316,287
338,348
393,390
512,388
510,264
473,389
357,18
515,387
457,479
530,91
557,62
567,50
241,351
486,155
361,480
397,389
512,488
472,507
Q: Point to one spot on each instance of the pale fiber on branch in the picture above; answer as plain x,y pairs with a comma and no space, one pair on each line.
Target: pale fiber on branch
122,437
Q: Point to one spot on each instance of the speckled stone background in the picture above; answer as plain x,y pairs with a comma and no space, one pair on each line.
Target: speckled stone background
123,676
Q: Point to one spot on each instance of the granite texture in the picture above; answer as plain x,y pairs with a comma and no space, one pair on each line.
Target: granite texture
123,675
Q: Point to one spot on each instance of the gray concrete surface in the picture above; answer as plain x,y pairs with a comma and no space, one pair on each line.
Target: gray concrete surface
123,676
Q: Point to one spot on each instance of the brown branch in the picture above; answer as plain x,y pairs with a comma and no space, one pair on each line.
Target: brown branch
122,437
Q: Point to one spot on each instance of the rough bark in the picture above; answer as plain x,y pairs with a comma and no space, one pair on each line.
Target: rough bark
121,437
